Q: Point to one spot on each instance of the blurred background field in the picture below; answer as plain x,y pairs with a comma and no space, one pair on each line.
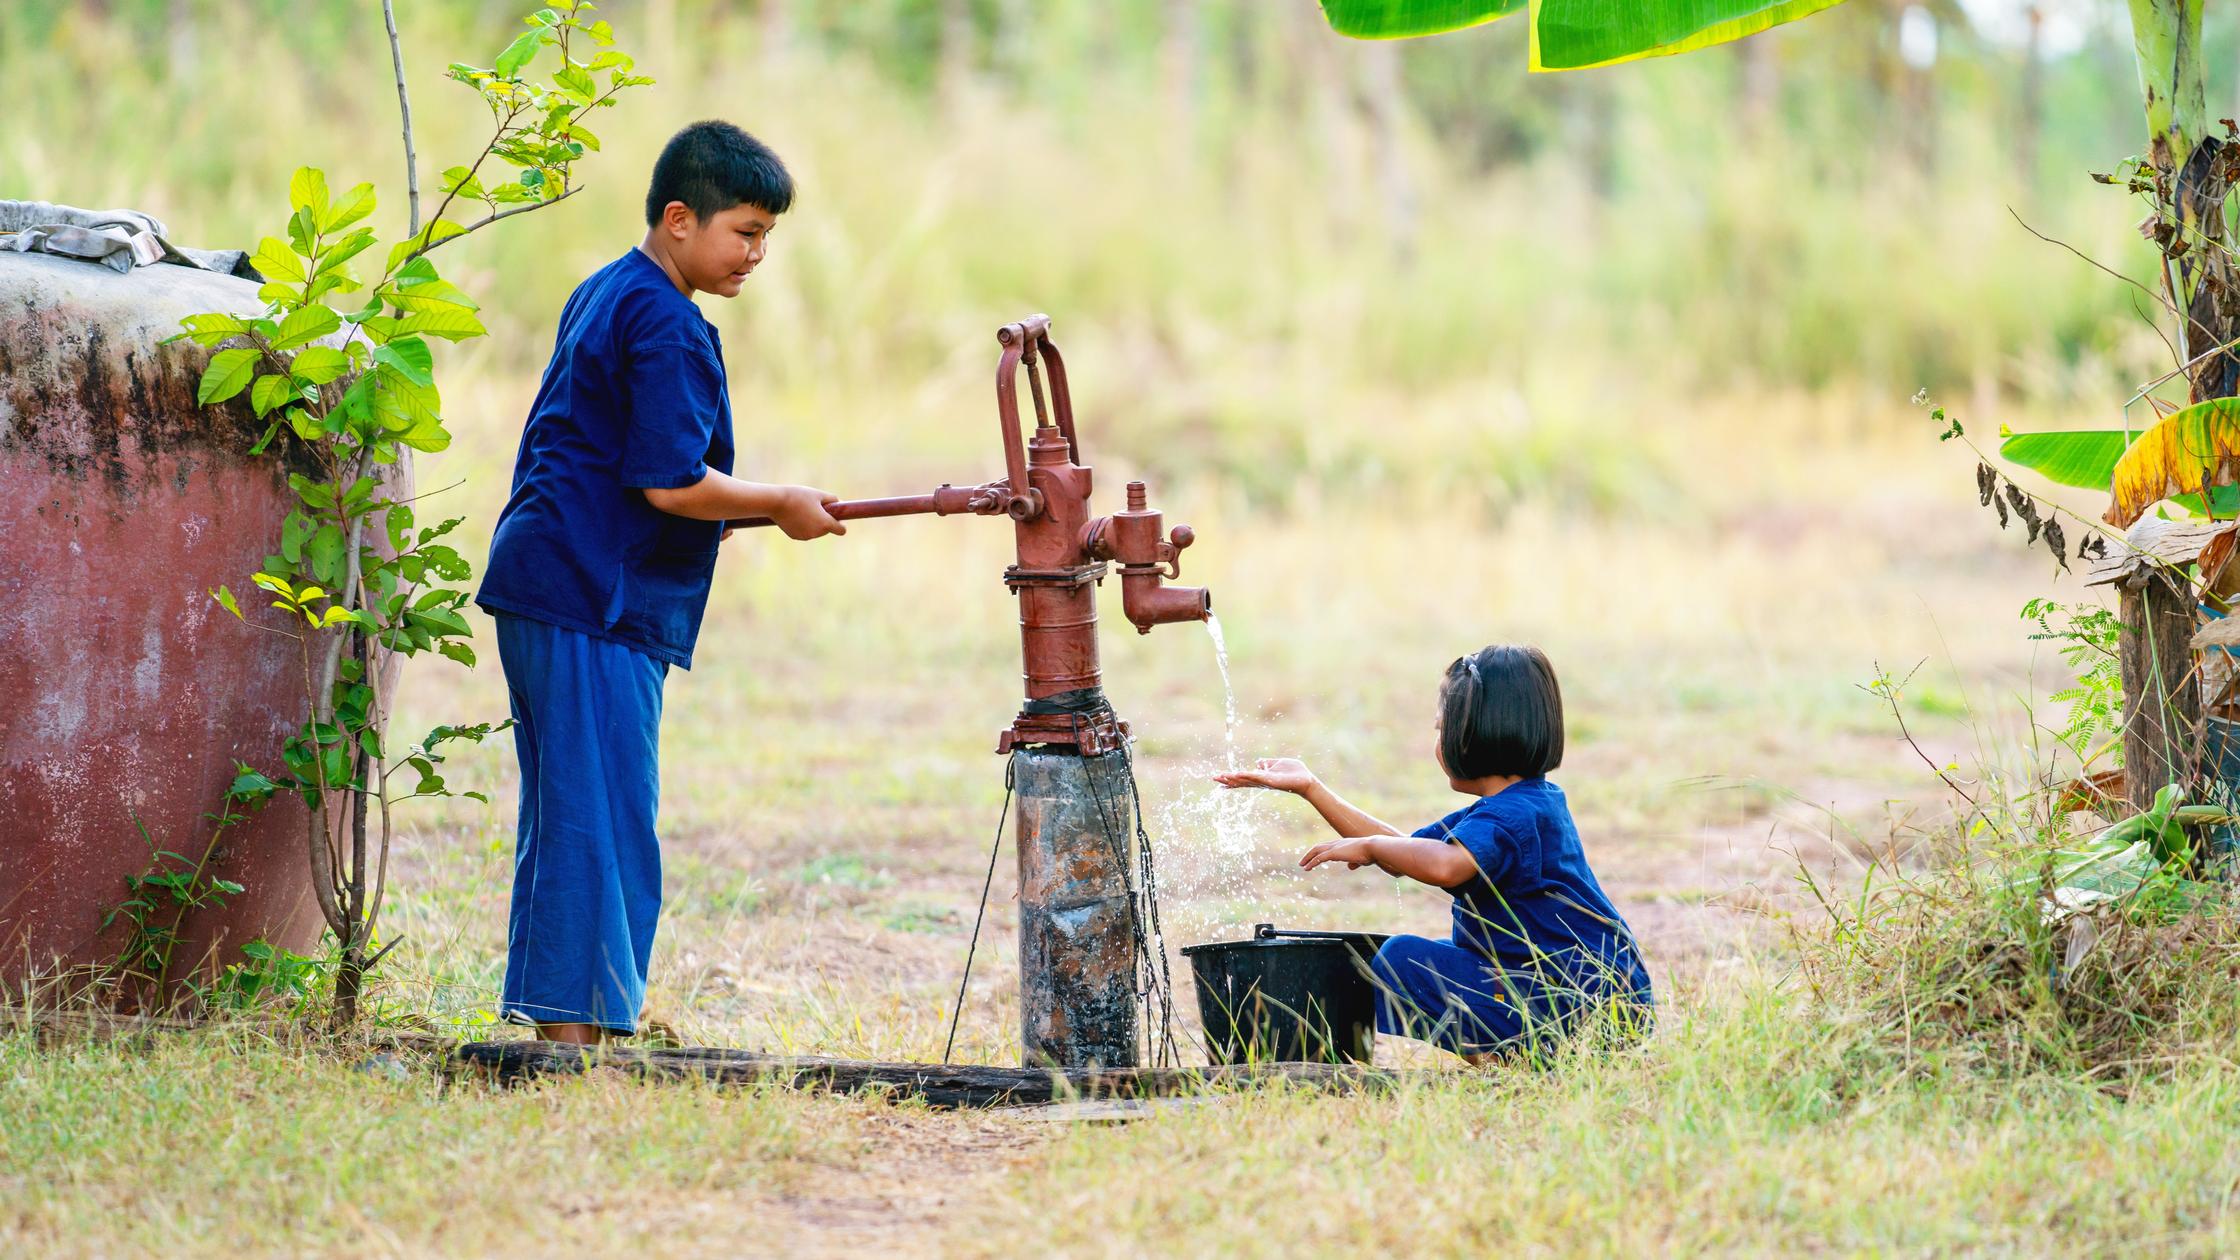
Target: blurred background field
1431,352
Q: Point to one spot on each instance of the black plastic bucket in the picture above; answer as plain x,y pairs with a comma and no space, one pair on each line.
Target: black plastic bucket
1288,996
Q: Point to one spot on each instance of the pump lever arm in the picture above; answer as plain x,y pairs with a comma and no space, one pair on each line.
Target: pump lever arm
944,501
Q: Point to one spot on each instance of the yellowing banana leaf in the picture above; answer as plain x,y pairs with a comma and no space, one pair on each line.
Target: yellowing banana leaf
2185,452
1403,19
2085,458
1577,34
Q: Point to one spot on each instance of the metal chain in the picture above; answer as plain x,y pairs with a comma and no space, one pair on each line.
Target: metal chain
1155,983
1010,764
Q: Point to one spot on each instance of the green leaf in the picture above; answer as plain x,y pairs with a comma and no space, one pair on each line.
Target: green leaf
301,225
325,553
226,601
270,391
353,206
399,523
409,357
227,375
577,81
304,326
1576,34
249,785
2085,458
316,365
342,251
1400,19
460,180
431,234
213,328
459,652
317,495
307,189
451,323
429,295
518,54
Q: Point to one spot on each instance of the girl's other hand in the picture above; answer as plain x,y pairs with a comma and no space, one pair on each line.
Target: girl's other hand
1281,774
1354,853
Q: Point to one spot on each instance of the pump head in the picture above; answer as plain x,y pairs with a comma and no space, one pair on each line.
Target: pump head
1063,553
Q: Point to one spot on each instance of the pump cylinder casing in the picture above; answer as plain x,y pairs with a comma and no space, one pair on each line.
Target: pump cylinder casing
1077,950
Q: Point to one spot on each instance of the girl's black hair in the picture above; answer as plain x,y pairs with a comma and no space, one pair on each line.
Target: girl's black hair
712,166
1501,713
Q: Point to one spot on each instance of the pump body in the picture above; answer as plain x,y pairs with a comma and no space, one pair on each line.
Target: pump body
1082,938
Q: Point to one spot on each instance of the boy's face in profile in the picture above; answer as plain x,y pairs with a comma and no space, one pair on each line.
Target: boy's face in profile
715,255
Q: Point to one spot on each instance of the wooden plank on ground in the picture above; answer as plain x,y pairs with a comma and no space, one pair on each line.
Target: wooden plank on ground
942,1085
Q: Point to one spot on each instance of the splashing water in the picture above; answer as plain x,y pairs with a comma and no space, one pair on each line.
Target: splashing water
1220,862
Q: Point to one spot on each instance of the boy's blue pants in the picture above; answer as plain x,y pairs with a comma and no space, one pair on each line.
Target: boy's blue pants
587,867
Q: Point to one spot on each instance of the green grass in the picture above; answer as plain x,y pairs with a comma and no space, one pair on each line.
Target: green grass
235,1142
1737,1131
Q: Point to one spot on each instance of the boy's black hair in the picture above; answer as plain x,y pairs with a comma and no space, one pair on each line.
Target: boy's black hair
1501,713
712,166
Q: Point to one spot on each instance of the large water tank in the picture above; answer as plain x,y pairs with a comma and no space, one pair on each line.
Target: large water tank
126,693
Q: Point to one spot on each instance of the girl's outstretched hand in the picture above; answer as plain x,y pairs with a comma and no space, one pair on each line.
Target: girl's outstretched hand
1354,853
1281,774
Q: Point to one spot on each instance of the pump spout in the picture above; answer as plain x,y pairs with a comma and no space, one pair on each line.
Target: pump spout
1147,561
1148,601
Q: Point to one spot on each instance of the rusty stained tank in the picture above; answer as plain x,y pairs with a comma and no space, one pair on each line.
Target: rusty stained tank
126,693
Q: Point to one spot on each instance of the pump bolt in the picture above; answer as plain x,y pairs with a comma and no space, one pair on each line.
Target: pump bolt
1136,499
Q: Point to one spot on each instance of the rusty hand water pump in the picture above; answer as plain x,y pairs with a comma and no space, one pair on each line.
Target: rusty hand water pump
1082,933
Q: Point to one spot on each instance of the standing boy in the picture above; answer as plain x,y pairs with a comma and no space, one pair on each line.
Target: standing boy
599,572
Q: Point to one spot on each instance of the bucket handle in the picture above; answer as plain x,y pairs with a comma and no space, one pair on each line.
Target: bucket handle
1269,932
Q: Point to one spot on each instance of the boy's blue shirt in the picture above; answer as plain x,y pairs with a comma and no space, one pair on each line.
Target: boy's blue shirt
634,399
1534,904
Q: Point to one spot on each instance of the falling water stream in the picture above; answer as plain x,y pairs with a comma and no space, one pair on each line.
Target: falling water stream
1228,691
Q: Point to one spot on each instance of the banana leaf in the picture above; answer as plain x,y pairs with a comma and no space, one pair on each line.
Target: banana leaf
1406,19
1576,34
2185,452
2085,458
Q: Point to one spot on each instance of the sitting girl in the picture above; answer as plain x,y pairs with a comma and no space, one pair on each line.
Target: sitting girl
1537,945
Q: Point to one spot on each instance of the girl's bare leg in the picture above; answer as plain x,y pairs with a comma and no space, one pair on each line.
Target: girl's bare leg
572,1034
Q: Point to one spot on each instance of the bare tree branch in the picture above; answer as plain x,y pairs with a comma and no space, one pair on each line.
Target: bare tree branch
404,107
2165,302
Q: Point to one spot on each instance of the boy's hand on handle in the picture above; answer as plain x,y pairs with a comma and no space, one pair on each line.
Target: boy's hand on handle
1353,852
802,515
1280,774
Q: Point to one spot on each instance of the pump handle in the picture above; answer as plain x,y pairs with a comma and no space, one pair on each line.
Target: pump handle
946,501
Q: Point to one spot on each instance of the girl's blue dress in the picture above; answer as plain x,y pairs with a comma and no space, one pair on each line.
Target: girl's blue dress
1536,941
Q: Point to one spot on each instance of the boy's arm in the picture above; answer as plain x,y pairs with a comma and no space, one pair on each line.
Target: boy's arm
798,510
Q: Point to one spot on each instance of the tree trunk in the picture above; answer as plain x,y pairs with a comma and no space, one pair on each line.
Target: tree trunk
2162,705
